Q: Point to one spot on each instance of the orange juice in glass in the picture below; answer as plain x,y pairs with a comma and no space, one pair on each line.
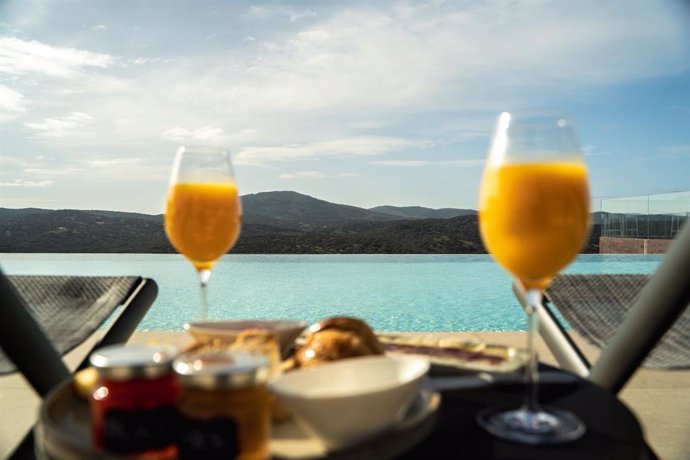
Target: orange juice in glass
534,220
203,221
203,212
534,217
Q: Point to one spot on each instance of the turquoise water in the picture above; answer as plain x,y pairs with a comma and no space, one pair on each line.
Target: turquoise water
391,292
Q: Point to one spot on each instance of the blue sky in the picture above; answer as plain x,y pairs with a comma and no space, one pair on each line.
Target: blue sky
364,103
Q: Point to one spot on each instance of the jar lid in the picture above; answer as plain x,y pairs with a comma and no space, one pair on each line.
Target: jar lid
126,362
221,370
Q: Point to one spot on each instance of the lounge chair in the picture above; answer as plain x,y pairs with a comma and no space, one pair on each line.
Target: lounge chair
44,317
624,315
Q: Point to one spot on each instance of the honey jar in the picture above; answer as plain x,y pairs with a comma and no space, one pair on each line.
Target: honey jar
133,407
223,406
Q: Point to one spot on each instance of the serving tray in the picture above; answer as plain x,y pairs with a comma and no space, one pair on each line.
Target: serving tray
450,356
64,432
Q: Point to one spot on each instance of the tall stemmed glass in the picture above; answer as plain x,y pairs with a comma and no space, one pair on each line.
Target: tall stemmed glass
203,213
534,220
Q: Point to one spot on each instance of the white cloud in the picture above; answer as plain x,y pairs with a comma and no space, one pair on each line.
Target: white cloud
268,11
313,175
58,127
375,69
677,150
18,57
470,163
11,102
403,163
414,163
301,15
593,151
27,183
354,146
99,27
207,133
176,134
114,162
62,170
436,56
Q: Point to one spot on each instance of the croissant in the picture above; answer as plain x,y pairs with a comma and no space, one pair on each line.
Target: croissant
337,338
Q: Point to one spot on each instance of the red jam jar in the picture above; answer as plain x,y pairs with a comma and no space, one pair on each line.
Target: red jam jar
133,406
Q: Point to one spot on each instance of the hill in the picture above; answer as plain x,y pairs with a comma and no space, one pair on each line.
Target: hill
295,210
419,212
274,223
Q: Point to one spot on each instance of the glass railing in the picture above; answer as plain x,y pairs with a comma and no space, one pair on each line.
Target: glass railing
649,216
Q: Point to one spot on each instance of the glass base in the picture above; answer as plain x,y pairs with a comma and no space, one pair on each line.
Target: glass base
546,425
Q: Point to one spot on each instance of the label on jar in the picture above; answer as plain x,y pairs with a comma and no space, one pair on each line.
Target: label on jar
209,439
141,430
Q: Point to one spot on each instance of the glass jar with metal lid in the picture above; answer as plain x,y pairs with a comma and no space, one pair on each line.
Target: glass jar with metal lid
223,406
133,407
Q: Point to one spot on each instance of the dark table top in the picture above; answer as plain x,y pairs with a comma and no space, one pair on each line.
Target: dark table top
613,432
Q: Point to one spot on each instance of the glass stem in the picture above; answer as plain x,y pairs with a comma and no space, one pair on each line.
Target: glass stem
534,298
204,276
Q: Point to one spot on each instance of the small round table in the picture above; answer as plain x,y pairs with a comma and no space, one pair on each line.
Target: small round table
613,432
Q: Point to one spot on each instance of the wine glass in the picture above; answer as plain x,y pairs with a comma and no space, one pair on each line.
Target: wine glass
534,219
203,214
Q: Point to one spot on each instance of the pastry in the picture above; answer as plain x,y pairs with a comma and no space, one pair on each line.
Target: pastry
337,338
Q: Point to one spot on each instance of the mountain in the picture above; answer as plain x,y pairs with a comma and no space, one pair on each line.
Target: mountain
294,210
68,230
273,223
419,212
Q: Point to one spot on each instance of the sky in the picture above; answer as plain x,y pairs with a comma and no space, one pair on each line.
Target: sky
364,103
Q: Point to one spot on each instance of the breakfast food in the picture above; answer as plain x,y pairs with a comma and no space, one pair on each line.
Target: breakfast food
337,338
85,382
254,341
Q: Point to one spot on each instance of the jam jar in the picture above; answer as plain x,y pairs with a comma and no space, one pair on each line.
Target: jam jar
133,407
223,406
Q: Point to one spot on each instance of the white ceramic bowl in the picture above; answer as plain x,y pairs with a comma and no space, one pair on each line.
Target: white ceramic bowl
348,401
286,330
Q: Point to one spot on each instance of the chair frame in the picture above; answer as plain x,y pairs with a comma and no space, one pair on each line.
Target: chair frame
660,303
18,327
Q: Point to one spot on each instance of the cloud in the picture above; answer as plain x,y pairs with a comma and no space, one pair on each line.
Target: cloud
313,175
593,151
436,56
267,11
469,163
58,127
19,57
11,102
27,183
402,163
62,170
414,163
301,15
353,146
114,162
676,151
99,27
207,133
361,70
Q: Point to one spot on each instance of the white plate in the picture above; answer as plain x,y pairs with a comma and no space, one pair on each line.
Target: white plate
286,330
